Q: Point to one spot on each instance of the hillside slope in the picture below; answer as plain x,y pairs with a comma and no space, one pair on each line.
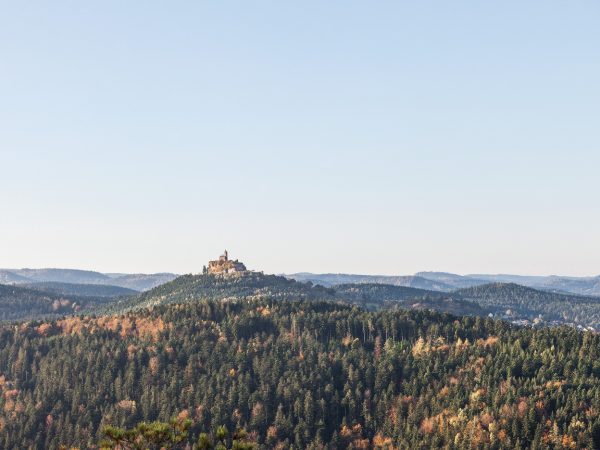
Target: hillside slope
379,296
18,303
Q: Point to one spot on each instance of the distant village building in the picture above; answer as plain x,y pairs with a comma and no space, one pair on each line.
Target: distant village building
224,265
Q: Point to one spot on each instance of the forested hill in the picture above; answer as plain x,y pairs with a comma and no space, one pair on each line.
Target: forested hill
377,296
508,301
17,303
382,293
514,300
301,375
249,285
253,285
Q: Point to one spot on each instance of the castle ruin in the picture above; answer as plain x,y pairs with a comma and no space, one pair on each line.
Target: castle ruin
224,265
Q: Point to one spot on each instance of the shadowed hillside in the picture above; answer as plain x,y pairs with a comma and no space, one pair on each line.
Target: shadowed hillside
513,300
17,303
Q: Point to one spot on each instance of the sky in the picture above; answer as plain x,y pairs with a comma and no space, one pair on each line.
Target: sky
339,136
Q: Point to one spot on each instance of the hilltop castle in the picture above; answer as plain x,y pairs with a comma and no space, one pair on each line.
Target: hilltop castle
224,265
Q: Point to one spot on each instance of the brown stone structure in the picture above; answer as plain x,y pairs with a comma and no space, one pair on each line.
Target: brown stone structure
224,265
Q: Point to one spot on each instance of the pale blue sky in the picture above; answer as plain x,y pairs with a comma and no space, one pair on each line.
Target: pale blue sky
339,136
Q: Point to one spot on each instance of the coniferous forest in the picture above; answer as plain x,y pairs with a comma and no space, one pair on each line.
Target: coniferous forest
297,374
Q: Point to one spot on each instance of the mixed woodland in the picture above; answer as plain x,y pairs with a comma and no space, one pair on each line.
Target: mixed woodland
264,362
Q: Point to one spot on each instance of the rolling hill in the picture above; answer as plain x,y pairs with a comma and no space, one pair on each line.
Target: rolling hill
331,279
516,301
8,277
451,279
380,296
444,281
589,286
83,290
255,285
18,303
251,285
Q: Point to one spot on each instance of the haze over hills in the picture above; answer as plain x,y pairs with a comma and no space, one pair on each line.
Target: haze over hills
138,282
441,291
8,277
512,302
35,293
435,281
443,281
452,279
576,285
256,285
330,279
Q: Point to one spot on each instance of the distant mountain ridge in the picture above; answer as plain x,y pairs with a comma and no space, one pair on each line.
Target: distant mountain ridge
446,282
452,279
137,282
554,283
516,303
332,279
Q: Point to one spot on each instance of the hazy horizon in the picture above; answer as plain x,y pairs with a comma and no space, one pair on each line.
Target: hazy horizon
324,137
199,270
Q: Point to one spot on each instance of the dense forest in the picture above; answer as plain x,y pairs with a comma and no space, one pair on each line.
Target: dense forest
301,374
